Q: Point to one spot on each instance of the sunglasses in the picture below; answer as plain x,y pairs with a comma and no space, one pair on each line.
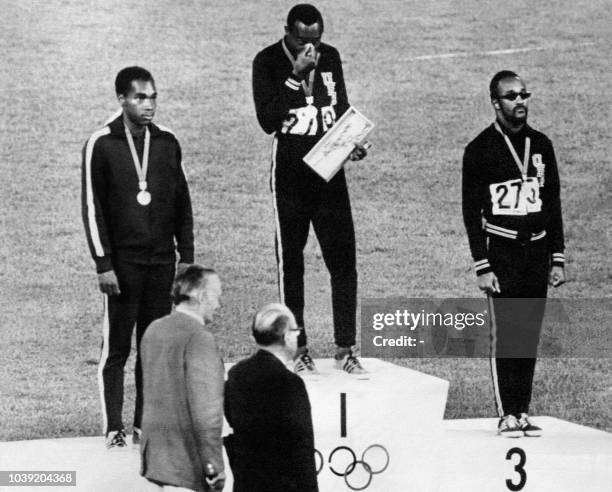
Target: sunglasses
511,96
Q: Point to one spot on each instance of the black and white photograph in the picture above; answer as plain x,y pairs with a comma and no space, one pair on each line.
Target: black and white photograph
306,247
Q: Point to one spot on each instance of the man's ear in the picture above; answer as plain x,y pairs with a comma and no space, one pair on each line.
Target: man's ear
201,296
495,103
121,99
284,338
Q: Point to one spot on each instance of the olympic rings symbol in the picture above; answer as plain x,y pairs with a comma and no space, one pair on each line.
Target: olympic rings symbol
351,467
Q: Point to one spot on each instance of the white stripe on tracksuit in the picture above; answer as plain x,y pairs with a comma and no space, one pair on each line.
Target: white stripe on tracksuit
279,265
91,211
500,408
102,363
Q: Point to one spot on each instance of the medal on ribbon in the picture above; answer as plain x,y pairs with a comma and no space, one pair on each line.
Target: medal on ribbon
143,197
523,166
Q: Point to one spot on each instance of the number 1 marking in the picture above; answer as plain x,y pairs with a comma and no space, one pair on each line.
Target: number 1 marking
342,414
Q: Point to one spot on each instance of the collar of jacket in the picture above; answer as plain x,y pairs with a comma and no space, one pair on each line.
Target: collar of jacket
117,127
266,354
522,132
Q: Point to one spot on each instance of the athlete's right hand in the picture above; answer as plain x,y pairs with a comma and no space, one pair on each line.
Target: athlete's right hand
108,283
218,482
488,283
305,60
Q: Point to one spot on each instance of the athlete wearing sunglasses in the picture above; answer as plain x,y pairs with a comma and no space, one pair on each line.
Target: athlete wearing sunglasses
511,96
510,100
511,184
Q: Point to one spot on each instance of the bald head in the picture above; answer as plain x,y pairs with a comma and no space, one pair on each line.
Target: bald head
271,323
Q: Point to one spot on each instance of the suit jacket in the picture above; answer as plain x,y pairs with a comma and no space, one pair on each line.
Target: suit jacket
183,402
268,408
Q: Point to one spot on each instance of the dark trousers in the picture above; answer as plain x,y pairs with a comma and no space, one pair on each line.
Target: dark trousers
145,297
300,201
522,270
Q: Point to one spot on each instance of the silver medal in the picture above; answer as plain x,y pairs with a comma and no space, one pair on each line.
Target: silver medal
144,198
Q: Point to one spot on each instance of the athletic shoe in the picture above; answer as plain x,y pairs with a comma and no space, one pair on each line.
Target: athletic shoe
350,364
304,365
509,427
116,440
136,436
527,427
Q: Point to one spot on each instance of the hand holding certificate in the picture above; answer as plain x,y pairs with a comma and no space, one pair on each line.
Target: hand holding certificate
331,152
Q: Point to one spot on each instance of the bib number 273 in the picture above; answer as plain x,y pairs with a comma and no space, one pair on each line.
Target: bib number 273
515,197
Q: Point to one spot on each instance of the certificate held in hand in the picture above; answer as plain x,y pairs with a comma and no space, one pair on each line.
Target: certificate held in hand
331,152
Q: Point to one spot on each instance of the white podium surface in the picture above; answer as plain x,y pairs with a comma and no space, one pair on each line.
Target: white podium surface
395,407
567,458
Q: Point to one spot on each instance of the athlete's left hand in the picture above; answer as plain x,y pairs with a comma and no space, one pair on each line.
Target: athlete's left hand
360,151
556,276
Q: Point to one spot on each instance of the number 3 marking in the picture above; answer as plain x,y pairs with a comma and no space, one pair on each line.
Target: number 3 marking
519,468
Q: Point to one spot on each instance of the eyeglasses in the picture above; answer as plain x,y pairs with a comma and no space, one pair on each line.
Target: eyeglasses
511,96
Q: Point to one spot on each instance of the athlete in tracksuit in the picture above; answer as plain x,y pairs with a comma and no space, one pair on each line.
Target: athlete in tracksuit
512,213
299,93
135,223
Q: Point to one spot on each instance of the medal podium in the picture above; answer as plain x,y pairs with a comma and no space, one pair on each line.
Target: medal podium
381,433
376,432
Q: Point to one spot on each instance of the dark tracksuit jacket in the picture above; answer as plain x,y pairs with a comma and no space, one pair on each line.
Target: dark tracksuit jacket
515,229
138,242
300,196
117,226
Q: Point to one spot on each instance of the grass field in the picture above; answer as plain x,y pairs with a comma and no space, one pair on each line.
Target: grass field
419,70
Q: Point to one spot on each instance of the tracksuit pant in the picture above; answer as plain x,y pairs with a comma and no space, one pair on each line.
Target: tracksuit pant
300,198
145,297
522,269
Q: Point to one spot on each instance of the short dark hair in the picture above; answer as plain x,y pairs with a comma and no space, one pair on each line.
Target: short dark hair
503,74
270,324
123,81
189,279
306,13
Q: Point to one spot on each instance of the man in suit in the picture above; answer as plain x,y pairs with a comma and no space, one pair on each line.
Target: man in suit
272,448
183,390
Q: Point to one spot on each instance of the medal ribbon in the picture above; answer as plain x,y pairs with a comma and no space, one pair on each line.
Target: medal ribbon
523,166
141,171
306,86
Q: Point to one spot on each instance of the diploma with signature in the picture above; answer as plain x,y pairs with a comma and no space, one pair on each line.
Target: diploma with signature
331,152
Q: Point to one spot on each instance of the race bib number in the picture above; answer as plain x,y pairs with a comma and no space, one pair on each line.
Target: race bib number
516,197
301,121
